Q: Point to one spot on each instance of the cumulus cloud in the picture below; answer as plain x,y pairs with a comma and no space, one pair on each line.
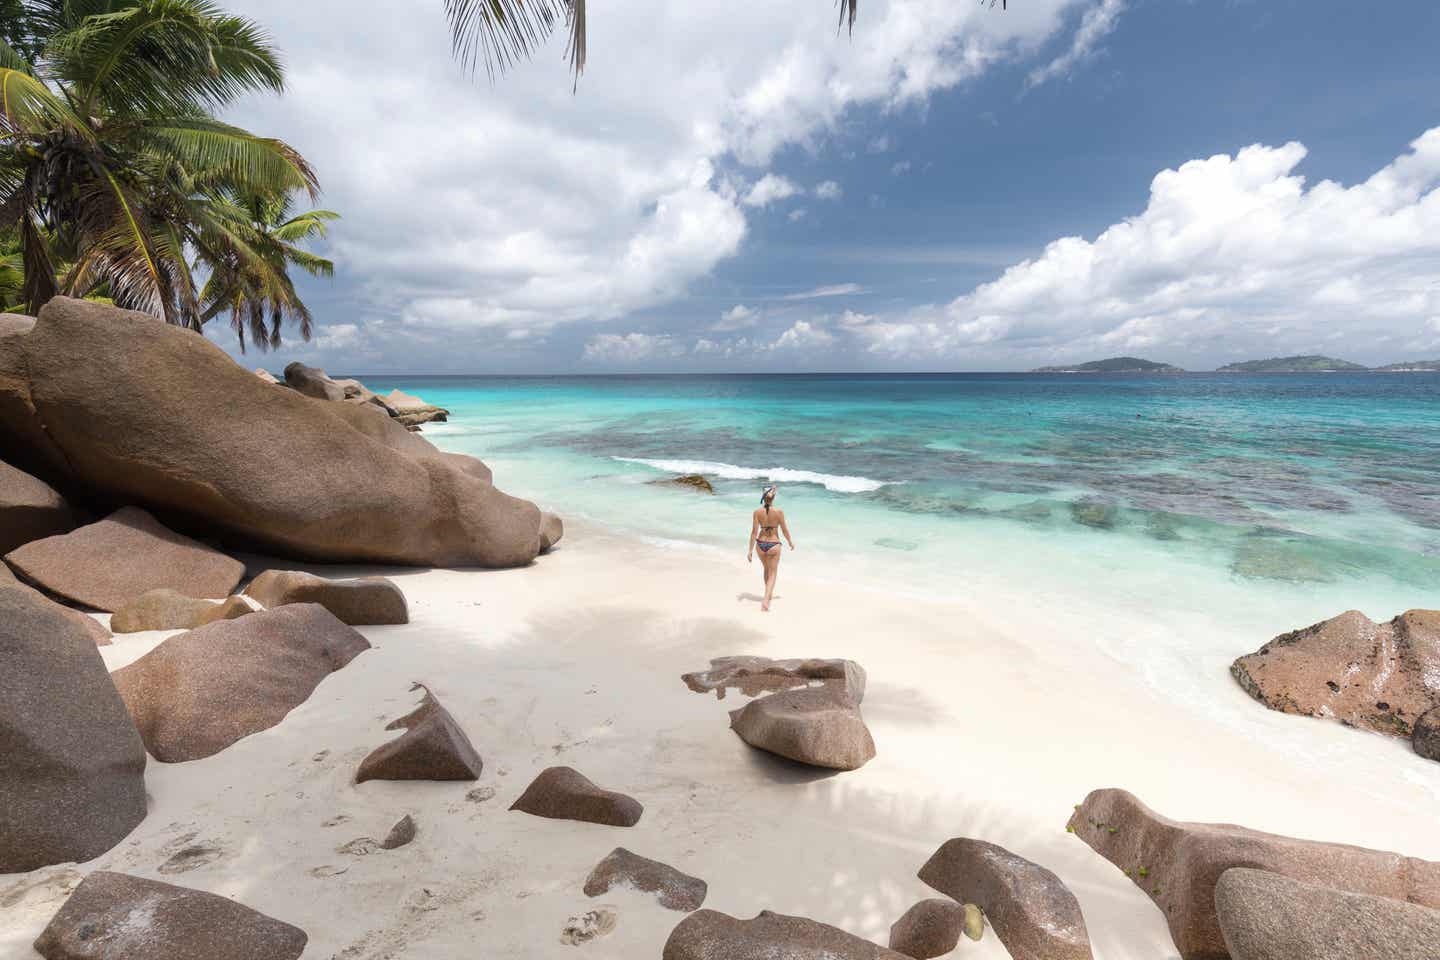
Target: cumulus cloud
803,334
738,317
1097,23
769,189
829,190
623,349
795,216
1233,256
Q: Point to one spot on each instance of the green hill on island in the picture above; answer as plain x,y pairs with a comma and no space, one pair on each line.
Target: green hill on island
1114,365
1414,366
1310,364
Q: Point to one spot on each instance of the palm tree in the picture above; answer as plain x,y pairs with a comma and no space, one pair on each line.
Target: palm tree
111,159
501,32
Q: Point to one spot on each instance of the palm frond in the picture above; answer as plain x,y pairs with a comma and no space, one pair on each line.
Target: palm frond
238,157
499,33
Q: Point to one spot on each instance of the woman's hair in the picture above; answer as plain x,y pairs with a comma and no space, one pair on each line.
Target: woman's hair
768,497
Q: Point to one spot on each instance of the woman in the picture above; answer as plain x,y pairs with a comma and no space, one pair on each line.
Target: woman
763,526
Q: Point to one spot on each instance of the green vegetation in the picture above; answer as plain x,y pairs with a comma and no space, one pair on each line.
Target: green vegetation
117,181
1309,364
1114,365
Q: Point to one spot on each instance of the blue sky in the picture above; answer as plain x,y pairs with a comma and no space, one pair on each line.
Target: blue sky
756,193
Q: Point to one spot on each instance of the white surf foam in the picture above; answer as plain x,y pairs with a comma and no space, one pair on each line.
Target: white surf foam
729,471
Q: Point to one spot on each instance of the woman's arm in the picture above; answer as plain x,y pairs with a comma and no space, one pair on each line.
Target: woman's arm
754,531
786,530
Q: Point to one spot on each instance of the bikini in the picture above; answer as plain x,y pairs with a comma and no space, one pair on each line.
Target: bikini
767,545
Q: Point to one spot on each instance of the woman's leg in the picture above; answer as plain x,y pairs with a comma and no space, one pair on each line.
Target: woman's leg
772,567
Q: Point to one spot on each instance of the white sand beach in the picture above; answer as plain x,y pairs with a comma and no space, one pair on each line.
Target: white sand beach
992,716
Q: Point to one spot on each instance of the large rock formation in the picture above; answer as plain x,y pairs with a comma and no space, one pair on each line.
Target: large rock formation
130,409
366,601
168,610
433,747
563,793
312,382
1265,916
412,411
74,768
107,564
92,628
1031,910
710,935
753,676
113,916
1427,735
674,890
199,692
1178,864
30,509
929,929
1378,676
819,726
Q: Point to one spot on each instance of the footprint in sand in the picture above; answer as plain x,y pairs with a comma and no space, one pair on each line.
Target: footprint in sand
327,871
191,858
359,847
336,820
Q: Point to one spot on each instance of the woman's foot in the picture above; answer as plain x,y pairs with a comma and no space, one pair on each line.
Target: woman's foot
764,606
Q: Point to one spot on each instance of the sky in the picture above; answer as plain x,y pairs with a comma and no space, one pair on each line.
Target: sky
740,187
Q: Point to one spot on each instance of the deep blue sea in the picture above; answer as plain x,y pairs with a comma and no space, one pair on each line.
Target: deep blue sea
1296,493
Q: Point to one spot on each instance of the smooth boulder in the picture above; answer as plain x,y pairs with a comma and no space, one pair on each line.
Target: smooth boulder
711,935
433,747
200,691
74,767
1426,738
30,509
114,916
1177,864
107,564
368,601
1379,676
563,793
93,628
753,676
1030,909
312,382
1265,916
552,531
929,929
167,610
674,890
104,398
818,726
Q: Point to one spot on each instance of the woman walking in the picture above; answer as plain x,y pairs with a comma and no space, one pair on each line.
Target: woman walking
766,525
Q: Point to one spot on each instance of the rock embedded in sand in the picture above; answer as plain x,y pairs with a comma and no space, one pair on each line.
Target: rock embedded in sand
199,692
433,747
1265,916
73,782
1031,910
929,929
563,793
1427,734
400,835
368,601
753,676
710,935
1178,863
819,726
1377,676
107,564
113,916
675,890
552,531
132,409
167,610
30,509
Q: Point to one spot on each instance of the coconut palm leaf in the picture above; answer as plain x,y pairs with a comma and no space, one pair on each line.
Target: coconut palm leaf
498,33
238,157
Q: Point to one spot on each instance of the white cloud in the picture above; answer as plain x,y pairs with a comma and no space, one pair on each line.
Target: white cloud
900,168
834,290
769,189
829,190
1232,255
630,348
795,216
1098,22
803,334
880,144
738,317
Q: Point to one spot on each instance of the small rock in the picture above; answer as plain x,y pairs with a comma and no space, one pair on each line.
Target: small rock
590,926
1265,916
1034,914
1427,734
563,793
929,929
974,922
402,833
433,747
480,794
819,726
677,891
552,530
112,916
1091,512
368,601
710,935
106,565
165,609
312,382
690,481
753,676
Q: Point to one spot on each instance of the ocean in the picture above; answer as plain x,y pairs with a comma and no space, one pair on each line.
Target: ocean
1266,500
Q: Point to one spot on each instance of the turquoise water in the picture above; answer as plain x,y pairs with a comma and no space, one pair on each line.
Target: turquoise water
1290,495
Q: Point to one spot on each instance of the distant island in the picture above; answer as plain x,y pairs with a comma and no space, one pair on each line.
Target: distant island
1114,365
1414,366
1310,364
